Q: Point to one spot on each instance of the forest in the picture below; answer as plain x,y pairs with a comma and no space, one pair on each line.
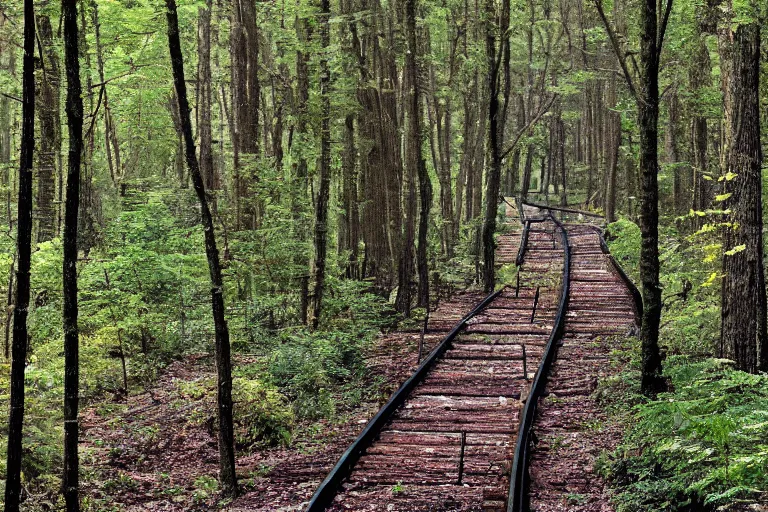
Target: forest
231,229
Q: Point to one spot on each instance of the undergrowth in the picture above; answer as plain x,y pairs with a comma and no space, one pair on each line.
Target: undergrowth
704,444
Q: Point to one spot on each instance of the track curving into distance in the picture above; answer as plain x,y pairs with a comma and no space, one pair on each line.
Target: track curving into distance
457,434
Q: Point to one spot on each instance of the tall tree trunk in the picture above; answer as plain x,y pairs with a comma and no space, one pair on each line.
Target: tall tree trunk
700,77
300,177
204,99
417,158
743,320
496,136
403,301
614,120
348,217
227,475
321,206
23,249
74,108
110,130
673,153
8,64
648,120
89,203
50,132
246,94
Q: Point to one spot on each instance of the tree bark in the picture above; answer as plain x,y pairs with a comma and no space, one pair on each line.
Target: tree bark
496,135
321,206
74,108
246,93
204,99
50,132
743,320
23,248
648,119
228,476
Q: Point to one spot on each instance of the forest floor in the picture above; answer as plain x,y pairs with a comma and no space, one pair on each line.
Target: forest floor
157,450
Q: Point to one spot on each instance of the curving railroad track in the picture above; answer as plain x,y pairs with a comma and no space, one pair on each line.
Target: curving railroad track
457,434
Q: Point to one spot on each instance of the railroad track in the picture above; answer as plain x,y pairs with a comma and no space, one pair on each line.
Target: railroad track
456,435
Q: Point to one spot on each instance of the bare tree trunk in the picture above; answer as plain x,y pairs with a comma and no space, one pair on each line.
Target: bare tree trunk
50,132
700,77
614,120
23,248
227,475
321,207
743,329
679,169
648,119
74,108
110,130
204,99
246,93
496,136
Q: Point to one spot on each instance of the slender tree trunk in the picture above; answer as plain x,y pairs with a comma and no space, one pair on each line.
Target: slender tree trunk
246,93
50,132
403,301
614,120
496,135
110,130
648,119
204,99
74,108
673,153
417,158
743,329
321,206
228,476
699,77
301,181
23,248
8,63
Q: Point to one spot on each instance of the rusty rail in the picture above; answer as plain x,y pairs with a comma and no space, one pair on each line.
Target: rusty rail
517,500
636,295
327,490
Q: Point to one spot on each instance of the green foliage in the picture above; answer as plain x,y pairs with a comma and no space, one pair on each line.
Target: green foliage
696,448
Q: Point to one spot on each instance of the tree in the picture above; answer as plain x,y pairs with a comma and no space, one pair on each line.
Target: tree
321,206
743,328
646,94
50,132
204,97
227,476
74,108
23,249
246,95
496,122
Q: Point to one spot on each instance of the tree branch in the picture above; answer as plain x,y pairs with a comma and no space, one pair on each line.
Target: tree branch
663,29
10,96
616,48
544,109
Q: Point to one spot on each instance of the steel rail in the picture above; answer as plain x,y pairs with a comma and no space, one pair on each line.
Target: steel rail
517,500
637,297
327,490
566,210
